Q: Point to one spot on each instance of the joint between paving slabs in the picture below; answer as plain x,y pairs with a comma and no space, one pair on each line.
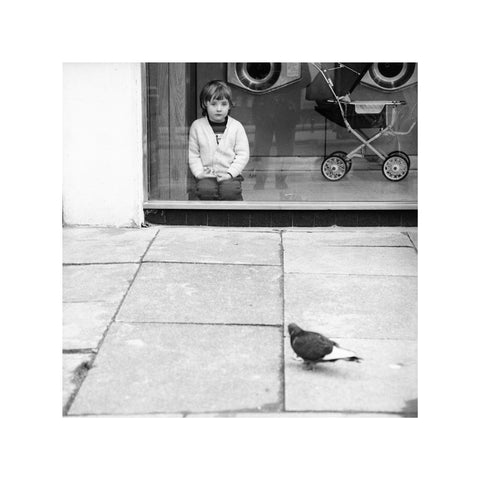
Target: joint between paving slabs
282,336
77,264
212,263
353,274
411,240
67,351
268,325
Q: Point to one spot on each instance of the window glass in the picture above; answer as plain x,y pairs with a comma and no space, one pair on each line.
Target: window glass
323,132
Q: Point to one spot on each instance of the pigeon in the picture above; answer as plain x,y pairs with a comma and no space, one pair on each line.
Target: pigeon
314,347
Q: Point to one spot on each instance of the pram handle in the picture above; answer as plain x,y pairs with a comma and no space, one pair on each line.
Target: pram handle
369,102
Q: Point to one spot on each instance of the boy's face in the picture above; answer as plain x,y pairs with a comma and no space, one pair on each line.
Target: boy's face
217,109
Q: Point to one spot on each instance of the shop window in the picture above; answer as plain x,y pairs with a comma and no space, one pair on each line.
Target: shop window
310,141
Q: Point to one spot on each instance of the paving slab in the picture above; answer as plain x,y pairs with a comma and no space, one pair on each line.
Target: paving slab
97,283
71,363
85,322
385,381
353,306
348,260
216,246
104,245
203,293
334,237
154,368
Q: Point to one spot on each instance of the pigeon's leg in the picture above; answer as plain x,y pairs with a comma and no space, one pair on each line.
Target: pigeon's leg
309,365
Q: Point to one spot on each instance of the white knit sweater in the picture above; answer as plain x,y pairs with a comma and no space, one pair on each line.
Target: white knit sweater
229,156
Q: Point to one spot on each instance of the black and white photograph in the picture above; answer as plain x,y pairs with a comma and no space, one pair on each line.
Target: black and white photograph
240,239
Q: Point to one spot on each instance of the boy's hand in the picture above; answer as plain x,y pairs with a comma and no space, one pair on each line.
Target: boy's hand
207,173
221,177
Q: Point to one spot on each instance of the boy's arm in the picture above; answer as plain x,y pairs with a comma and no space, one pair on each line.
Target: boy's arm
194,159
242,153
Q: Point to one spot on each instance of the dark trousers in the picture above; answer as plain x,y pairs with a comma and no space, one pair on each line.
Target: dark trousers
211,189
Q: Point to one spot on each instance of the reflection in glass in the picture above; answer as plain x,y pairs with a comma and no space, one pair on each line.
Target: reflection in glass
289,139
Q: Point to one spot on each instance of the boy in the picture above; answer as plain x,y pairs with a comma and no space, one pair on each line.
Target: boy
218,147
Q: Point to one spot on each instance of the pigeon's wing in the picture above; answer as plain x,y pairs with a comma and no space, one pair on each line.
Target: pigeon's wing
323,338
312,346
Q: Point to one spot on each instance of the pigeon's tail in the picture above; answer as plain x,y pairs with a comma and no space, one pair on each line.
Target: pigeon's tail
354,359
341,354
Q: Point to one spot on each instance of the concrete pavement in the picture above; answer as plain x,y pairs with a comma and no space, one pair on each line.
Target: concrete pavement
188,321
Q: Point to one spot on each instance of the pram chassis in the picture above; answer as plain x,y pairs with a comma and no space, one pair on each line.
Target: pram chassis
335,166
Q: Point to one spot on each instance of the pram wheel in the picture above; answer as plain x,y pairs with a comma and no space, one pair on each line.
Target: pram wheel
402,154
334,167
348,161
396,166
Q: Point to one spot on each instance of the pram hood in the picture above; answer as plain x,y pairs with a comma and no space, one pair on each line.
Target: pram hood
346,76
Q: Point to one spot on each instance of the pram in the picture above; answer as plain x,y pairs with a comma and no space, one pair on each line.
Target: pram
333,102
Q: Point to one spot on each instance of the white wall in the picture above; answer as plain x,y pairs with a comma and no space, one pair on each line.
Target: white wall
102,144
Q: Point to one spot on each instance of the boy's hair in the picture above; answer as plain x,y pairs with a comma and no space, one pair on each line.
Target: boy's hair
215,90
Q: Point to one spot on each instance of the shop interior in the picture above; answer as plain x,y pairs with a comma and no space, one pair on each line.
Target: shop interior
299,152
